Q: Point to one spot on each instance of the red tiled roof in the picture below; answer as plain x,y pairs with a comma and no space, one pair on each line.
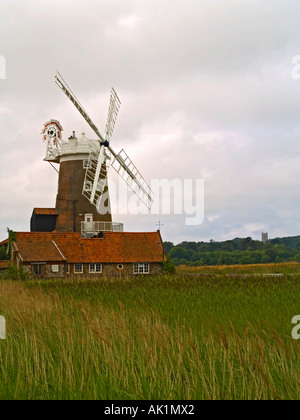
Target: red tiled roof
45,211
115,247
37,247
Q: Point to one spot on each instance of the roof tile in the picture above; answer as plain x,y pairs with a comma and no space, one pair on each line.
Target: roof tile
45,211
115,247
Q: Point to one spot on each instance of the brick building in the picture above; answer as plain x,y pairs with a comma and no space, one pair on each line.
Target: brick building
77,236
69,254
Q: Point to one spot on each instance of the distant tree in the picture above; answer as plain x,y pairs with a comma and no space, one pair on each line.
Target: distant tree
227,246
168,246
265,258
236,251
169,267
245,243
202,247
221,258
190,245
213,245
181,253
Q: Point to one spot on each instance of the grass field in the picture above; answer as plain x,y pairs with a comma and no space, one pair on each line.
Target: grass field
201,334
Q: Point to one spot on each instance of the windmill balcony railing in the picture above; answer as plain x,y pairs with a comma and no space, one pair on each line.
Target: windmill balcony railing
89,229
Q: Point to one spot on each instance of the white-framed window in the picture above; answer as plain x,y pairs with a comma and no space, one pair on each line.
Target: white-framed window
120,266
68,268
78,268
141,268
86,164
96,268
55,268
87,186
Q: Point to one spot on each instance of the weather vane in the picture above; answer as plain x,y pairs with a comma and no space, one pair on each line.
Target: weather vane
159,224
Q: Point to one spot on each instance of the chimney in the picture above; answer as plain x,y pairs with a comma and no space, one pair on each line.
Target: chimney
73,136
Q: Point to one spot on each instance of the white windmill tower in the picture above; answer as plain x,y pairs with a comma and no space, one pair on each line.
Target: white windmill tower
83,200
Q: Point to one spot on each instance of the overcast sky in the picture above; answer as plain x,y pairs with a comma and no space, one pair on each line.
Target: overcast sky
207,92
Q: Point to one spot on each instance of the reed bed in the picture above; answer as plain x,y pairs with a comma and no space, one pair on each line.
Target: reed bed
181,337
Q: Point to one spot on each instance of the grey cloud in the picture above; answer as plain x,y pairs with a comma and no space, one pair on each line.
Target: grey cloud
206,92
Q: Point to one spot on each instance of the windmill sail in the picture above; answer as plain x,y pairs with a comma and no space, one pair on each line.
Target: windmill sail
61,83
113,111
96,172
96,175
124,166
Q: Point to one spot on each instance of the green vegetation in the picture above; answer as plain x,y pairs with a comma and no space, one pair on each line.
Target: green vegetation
5,250
14,274
236,251
212,334
168,267
3,253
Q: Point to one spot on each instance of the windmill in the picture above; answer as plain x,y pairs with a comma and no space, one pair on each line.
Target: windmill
100,157
82,202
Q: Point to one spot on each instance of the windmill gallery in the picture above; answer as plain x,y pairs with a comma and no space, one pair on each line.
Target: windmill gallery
78,236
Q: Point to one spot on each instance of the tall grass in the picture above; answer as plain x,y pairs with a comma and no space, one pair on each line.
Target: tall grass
182,337
257,269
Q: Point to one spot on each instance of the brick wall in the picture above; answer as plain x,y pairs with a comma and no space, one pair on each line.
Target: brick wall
108,270
70,202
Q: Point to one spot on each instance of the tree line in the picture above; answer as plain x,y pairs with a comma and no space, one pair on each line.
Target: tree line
235,251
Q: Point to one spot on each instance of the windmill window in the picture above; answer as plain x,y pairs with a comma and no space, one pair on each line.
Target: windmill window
78,268
87,186
141,268
86,164
95,268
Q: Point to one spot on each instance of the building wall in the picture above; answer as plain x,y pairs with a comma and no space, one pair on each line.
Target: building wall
42,223
70,203
112,270
61,273
47,270
156,268
109,270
